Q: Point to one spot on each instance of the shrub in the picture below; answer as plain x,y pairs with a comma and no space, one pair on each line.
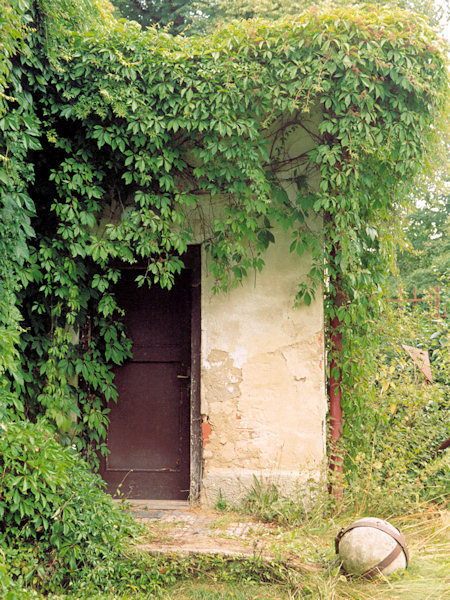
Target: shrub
54,516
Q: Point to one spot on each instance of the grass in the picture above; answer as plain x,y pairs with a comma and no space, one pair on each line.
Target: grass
205,591
314,574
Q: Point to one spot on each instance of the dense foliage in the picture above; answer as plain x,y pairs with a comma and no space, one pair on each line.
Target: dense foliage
53,507
18,127
393,444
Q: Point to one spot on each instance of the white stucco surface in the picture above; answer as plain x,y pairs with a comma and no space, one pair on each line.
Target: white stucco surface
262,380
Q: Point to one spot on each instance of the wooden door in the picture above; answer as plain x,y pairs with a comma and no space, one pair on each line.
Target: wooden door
149,433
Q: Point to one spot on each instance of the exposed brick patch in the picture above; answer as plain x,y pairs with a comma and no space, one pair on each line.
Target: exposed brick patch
206,431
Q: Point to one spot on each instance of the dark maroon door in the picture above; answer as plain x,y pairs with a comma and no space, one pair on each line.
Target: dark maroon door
149,432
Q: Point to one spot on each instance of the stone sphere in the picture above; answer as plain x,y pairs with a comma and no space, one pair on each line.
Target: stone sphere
371,546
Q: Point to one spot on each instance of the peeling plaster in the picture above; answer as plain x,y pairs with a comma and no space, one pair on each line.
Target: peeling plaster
263,383
239,356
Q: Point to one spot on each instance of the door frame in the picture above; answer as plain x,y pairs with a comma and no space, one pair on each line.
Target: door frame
192,261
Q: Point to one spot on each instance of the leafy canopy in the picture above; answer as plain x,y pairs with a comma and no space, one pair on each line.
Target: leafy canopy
200,16
426,262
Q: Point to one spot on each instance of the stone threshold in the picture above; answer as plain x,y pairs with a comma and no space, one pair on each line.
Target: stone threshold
154,509
156,504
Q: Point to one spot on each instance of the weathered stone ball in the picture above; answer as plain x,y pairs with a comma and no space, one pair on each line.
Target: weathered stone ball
371,546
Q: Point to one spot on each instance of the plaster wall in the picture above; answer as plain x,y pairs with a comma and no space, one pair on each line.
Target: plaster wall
262,378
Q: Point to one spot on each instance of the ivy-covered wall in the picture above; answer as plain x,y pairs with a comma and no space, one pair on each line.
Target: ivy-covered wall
95,113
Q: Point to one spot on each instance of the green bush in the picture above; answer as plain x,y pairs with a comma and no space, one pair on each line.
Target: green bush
55,518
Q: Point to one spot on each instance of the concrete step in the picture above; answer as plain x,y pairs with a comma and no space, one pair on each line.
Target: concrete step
154,509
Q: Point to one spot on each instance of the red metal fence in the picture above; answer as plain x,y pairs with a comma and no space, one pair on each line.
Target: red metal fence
433,300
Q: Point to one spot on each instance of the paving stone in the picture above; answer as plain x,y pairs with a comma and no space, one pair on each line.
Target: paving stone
147,514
